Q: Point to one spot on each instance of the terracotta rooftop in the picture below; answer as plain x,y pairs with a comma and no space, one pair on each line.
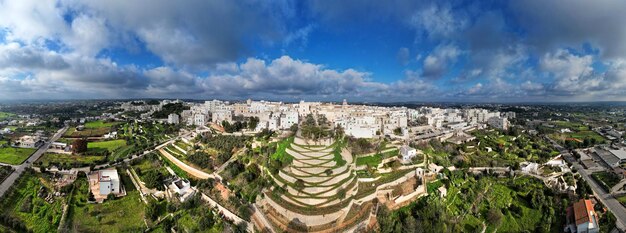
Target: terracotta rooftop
582,211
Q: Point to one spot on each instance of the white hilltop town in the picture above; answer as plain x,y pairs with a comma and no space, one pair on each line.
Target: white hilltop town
360,121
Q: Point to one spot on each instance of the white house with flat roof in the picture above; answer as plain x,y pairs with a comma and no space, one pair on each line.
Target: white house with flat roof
105,182
287,119
183,188
407,153
109,181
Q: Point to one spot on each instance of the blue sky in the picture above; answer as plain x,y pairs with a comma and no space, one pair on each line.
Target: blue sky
478,51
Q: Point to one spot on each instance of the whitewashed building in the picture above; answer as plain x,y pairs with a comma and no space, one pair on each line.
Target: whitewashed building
173,118
287,119
108,181
407,153
199,119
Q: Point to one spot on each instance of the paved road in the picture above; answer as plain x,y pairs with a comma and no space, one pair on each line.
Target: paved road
8,182
607,199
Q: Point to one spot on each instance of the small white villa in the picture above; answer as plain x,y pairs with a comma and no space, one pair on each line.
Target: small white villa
182,187
407,153
105,182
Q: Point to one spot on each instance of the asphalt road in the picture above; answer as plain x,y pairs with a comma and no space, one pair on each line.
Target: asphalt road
8,182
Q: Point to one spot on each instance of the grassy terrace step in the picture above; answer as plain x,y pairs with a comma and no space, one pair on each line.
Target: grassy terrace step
183,145
288,173
308,164
321,158
312,210
309,157
333,187
366,188
316,202
301,149
301,157
315,184
172,150
320,174
314,147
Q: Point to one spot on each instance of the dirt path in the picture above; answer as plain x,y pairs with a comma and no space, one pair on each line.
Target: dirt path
192,171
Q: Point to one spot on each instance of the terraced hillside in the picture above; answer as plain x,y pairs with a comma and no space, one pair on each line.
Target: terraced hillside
319,186
319,176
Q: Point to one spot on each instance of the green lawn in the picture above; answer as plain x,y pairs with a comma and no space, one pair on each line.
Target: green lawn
124,214
5,115
280,153
372,160
606,179
100,124
72,160
24,204
571,125
586,133
107,145
15,156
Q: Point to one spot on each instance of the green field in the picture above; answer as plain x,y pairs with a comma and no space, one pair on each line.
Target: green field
96,132
584,134
15,156
24,204
372,160
280,153
571,125
69,160
5,115
579,132
107,145
124,214
100,124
